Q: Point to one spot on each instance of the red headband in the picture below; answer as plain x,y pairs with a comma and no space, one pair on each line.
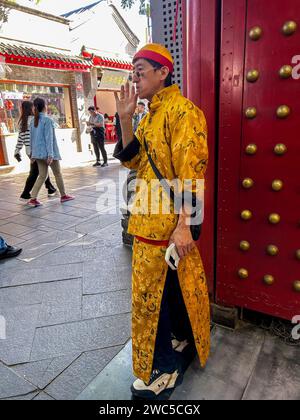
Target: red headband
151,55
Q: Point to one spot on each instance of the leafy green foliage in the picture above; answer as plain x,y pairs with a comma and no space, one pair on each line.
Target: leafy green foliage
4,10
129,3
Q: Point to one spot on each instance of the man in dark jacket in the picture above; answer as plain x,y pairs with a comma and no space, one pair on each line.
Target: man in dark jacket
139,115
97,131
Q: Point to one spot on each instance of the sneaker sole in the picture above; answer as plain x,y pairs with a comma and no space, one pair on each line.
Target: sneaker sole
150,395
180,346
34,205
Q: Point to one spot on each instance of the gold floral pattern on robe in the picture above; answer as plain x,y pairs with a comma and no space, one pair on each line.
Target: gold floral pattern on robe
176,133
148,281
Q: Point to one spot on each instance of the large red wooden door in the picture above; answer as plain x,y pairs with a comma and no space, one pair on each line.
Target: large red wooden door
258,240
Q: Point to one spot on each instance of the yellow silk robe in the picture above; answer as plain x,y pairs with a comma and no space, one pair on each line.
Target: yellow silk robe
176,133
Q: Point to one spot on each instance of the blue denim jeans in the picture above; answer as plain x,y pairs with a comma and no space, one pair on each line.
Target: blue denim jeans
3,245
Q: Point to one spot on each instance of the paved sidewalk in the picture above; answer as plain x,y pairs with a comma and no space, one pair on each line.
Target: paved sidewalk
66,302
66,299
246,364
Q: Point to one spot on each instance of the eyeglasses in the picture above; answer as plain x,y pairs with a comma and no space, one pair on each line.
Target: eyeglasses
141,74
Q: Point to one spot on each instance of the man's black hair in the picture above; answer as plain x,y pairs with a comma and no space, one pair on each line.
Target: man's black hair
156,65
91,108
141,103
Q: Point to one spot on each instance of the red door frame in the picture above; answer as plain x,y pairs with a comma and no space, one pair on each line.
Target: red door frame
200,66
2,159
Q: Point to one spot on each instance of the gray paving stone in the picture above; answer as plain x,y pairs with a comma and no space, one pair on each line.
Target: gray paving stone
74,379
20,296
124,272
61,302
93,334
82,213
198,385
97,223
58,208
42,373
40,275
106,304
11,384
10,264
233,357
33,234
114,381
277,373
42,396
73,254
4,214
46,243
87,192
35,222
11,207
111,235
15,229
234,353
122,256
65,219
80,204
90,242
29,219
20,330
11,240
26,397
100,276
26,220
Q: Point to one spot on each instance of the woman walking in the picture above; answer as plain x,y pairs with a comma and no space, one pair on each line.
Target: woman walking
24,140
44,150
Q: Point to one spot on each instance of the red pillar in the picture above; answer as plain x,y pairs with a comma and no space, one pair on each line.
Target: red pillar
200,66
95,101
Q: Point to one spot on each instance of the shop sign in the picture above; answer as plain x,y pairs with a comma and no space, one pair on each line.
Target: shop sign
12,95
113,79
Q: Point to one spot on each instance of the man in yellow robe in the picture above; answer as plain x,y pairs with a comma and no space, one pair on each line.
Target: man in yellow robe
170,309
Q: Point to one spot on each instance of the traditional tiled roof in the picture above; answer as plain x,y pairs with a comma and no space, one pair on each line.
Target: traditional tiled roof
118,18
27,56
107,62
81,9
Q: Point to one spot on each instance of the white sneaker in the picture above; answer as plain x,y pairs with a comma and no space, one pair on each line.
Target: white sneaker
179,346
159,382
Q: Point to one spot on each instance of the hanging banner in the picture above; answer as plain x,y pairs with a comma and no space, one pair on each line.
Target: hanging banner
113,79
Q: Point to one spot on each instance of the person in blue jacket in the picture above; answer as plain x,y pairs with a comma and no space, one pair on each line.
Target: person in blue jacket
44,150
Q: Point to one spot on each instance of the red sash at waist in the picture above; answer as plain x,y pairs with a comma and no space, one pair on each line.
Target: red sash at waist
151,242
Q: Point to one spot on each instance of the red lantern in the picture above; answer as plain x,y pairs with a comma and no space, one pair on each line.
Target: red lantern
9,105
